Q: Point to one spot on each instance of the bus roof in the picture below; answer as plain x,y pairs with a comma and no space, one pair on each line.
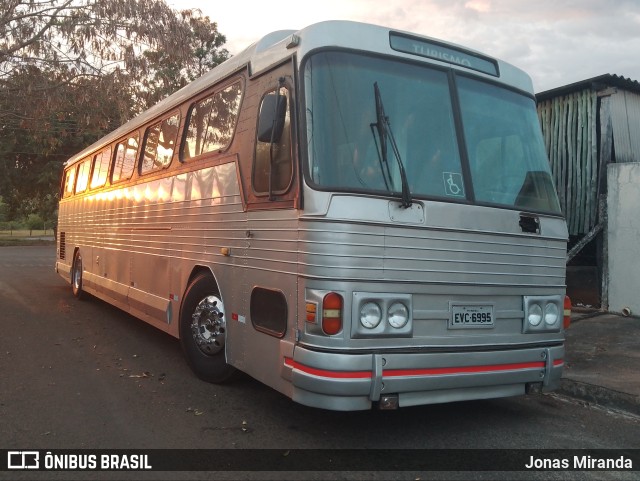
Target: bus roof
277,46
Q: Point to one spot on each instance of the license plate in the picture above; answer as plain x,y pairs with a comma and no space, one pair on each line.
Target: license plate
464,316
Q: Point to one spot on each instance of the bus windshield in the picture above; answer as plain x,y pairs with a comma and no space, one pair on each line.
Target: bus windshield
503,146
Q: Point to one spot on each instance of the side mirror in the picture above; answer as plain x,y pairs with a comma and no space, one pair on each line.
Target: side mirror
271,121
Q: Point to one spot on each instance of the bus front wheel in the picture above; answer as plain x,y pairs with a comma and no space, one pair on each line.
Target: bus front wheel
203,330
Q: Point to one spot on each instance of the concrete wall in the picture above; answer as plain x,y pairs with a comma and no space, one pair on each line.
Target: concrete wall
624,236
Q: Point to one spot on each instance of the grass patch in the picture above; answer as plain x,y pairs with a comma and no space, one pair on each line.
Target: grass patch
26,233
5,242
26,237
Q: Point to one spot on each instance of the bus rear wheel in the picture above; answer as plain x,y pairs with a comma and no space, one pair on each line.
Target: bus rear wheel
76,276
203,330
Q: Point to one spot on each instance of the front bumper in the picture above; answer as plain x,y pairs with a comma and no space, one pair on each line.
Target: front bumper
348,382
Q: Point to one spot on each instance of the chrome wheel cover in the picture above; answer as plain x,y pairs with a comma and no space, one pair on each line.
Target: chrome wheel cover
208,325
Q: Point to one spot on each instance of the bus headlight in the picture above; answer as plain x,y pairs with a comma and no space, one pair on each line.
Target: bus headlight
551,314
398,315
535,314
370,315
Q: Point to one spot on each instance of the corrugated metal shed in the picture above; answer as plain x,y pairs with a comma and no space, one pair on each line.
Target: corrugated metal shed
587,125
601,82
625,115
569,129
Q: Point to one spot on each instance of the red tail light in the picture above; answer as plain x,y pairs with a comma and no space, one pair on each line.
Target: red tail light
567,312
332,313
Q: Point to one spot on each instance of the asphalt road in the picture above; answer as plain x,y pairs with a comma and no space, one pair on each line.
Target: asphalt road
82,374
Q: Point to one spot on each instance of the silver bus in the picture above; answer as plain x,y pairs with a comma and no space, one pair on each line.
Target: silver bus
352,215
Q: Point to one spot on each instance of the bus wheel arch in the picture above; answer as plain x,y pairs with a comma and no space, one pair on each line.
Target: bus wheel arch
203,328
76,274
199,270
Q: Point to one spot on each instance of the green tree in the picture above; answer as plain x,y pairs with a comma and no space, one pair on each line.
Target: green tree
168,74
88,37
4,211
73,70
143,40
46,127
34,222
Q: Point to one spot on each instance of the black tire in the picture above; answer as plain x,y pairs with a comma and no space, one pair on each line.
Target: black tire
76,276
203,330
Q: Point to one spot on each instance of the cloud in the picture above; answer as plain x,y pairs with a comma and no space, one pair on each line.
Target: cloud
556,41
482,6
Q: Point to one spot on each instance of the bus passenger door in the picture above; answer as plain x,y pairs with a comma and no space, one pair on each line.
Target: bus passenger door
269,169
270,188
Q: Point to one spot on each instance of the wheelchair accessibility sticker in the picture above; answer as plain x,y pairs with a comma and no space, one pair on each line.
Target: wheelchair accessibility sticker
453,185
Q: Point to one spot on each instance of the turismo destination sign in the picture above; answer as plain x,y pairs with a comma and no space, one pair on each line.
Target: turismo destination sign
437,51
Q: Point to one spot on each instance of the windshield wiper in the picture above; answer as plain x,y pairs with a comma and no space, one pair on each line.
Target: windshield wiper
383,126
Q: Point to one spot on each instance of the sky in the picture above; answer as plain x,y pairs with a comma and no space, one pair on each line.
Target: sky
557,42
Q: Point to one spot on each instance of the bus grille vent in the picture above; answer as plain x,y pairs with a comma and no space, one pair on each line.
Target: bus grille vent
62,246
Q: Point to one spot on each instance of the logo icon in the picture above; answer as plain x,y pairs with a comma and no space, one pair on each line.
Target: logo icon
453,185
23,460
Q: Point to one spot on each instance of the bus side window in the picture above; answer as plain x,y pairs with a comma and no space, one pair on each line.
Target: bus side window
69,182
212,122
100,168
282,166
83,176
124,159
159,144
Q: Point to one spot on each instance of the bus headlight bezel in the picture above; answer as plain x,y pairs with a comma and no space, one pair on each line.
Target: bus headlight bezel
392,323
542,314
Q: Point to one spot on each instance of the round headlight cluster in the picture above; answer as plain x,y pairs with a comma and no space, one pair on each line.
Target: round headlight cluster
398,315
370,315
543,315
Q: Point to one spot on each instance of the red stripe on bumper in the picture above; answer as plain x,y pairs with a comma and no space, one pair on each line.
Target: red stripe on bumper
463,369
419,372
324,373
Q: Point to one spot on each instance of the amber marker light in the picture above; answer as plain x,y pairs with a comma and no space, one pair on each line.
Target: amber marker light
567,312
311,311
332,313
